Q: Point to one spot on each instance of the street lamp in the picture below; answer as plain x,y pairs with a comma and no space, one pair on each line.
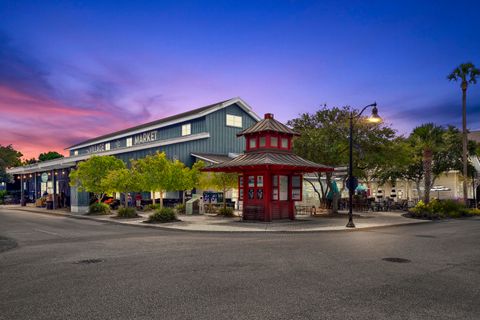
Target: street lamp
374,118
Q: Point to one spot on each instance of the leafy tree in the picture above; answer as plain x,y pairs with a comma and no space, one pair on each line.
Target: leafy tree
159,174
467,74
90,175
122,180
191,177
428,138
50,155
9,157
325,139
219,181
29,161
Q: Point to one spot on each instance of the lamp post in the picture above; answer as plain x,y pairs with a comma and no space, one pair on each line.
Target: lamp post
374,118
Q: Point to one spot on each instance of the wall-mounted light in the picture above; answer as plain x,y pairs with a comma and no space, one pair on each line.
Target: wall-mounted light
49,174
56,173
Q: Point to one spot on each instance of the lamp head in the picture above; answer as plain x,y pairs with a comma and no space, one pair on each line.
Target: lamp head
375,118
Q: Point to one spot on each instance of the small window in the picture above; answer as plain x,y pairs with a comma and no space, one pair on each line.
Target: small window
274,142
284,143
107,146
262,142
129,142
75,153
186,129
252,142
234,121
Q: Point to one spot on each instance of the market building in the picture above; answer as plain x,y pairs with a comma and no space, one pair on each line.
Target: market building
207,133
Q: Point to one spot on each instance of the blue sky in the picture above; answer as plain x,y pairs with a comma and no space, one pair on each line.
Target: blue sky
71,70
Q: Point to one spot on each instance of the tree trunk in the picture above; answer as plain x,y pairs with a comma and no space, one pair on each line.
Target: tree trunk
125,200
427,168
161,199
464,141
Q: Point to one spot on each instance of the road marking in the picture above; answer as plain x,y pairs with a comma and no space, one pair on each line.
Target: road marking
48,232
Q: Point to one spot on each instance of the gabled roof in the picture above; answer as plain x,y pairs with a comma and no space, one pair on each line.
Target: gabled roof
272,159
268,124
185,116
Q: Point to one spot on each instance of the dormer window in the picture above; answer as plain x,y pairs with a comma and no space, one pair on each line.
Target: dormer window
262,142
274,142
252,143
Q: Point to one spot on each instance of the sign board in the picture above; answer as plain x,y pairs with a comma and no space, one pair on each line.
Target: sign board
44,177
352,183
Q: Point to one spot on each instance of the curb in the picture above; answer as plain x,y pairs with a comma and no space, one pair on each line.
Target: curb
156,226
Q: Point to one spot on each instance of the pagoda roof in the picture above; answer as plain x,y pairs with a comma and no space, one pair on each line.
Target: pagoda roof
268,124
277,159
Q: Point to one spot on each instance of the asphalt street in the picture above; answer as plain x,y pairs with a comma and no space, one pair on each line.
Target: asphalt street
62,268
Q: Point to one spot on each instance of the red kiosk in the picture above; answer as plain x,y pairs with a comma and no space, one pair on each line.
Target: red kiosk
271,175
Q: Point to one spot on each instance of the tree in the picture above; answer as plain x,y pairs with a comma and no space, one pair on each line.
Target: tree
467,73
220,181
50,155
428,138
325,139
158,174
191,177
122,180
90,175
29,161
9,157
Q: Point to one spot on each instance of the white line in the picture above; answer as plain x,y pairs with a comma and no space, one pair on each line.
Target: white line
52,233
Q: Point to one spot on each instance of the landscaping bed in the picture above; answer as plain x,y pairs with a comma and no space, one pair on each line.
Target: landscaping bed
441,209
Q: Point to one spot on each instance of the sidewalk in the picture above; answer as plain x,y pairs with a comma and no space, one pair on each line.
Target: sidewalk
213,223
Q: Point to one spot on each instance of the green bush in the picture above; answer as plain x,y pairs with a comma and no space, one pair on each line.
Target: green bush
474,212
180,208
438,209
163,215
99,208
150,207
127,213
226,212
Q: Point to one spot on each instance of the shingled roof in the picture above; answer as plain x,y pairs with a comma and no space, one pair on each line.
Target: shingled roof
268,124
271,159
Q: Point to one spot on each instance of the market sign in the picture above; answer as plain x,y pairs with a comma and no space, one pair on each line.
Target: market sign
44,177
145,137
96,148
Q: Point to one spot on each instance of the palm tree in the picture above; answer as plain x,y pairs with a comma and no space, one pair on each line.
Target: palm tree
428,139
467,74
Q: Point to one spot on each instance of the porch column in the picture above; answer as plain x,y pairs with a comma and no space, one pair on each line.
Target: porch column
267,196
22,195
54,190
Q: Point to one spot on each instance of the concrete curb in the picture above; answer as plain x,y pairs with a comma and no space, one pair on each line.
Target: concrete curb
157,226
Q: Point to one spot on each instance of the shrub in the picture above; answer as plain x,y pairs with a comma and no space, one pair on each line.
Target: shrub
127,213
226,212
150,207
437,209
163,215
99,208
473,212
180,208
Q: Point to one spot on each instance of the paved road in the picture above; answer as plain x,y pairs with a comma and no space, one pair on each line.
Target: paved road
155,274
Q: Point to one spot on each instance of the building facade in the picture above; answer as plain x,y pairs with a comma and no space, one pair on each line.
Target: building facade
207,133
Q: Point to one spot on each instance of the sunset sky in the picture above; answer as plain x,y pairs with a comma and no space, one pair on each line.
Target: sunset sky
72,70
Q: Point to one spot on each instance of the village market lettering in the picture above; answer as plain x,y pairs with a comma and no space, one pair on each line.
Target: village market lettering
96,148
145,137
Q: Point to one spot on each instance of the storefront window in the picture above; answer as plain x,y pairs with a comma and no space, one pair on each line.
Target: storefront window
251,193
259,181
283,181
296,188
251,181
